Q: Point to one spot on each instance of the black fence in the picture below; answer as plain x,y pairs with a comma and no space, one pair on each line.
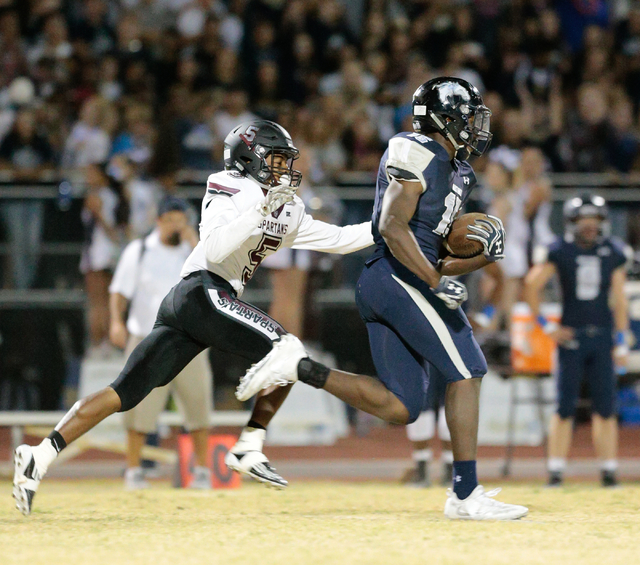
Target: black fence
42,330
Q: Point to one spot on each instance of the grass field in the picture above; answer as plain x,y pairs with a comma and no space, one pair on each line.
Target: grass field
97,523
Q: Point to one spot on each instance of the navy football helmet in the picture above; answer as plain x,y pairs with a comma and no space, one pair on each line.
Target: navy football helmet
586,206
454,108
251,146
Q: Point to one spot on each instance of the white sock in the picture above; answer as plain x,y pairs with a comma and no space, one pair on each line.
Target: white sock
447,456
424,428
422,455
556,464
251,439
610,465
443,430
44,454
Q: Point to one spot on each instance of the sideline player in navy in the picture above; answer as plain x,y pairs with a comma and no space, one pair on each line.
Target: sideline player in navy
405,294
591,267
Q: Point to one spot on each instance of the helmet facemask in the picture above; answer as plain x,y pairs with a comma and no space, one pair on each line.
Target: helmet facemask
470,135
478,130
270,174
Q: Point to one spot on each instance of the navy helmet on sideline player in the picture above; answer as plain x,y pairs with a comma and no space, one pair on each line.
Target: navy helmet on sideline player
454,108
587,206
251,147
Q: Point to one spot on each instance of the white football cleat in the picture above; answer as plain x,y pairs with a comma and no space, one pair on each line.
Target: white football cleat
279,367
255,465
480,506
134,479
26,478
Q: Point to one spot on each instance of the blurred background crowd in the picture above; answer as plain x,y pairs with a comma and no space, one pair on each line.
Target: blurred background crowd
163,81
119,101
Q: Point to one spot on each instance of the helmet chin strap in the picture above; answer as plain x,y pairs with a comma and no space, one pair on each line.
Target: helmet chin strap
283,181
448,135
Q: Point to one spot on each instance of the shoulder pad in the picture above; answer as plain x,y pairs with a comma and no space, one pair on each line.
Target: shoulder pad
409,157
621,247
428,142
541,253
222,183
556,244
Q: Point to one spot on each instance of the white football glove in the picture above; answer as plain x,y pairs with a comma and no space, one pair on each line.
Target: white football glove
277,196
492,235
452,293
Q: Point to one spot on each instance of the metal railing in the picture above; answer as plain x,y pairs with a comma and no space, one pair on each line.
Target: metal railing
350,187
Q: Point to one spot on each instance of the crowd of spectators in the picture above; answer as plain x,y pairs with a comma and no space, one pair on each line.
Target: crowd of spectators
123,94
82,80
145,88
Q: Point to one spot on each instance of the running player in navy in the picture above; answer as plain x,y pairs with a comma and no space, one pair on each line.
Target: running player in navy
591,267
405,294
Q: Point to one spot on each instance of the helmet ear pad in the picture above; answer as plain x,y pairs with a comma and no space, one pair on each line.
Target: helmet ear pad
427,126
448,126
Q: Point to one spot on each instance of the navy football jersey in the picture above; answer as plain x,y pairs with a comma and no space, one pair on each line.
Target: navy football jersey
585,279
446,185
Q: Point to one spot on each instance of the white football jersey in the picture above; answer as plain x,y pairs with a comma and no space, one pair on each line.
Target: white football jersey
229,214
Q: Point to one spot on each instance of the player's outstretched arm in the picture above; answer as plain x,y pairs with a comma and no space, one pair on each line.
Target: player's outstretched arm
315,235
398,207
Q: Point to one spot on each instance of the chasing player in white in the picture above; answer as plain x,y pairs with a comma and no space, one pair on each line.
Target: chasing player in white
248,212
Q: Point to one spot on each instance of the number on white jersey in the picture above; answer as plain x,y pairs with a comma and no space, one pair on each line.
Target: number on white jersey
420,137
453,201
588,277
257,255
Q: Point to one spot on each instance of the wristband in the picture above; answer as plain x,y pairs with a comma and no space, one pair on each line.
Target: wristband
621,338
621,350
484,318
489,311
547,327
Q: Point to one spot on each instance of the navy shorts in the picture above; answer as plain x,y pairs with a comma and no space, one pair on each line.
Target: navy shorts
409,327
588,355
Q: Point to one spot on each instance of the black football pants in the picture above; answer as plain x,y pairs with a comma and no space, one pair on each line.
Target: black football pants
201,311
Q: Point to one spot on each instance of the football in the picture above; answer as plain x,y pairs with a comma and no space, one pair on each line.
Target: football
457,242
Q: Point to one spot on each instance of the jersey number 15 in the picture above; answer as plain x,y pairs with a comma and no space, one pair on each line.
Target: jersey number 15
452,203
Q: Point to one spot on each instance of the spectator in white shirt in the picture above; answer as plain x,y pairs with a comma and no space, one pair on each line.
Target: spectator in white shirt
147,270
89,141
